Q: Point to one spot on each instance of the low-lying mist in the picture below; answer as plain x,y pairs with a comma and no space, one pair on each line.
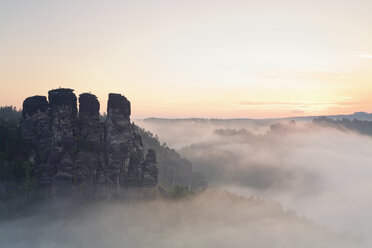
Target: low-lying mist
322,173
210,219
288,185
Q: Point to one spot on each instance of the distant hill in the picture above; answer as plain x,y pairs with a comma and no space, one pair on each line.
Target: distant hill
356,125
356,115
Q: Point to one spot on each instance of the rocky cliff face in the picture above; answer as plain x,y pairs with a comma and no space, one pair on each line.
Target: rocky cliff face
76,154
37,134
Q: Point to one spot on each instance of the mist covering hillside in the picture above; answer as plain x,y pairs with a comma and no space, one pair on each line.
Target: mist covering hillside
320,171
210,219
186,124
272,183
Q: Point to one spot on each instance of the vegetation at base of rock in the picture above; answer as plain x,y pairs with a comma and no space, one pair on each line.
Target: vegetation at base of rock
10,140
10,113
179,192
176,192
173,169
15,168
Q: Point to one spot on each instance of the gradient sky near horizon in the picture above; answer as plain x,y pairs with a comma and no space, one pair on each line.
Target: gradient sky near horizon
205,58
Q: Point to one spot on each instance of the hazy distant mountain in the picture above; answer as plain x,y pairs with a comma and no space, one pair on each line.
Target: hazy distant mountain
356,115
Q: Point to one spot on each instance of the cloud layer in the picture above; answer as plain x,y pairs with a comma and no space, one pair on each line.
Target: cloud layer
212,219
322,173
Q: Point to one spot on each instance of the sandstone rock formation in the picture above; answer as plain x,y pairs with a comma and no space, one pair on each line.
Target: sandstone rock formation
173,169
37,134
76,154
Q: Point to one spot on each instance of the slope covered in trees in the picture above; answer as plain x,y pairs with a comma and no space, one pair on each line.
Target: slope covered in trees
360,126
173,169
10,113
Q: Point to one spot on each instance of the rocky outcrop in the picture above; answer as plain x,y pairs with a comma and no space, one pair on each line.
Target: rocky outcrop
76,154
90,132
118,143
150,169
37,134
90,156
63,112
173,170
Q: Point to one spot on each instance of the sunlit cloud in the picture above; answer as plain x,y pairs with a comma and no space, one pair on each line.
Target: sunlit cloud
345,77
298,112
297,104
363,55
299,108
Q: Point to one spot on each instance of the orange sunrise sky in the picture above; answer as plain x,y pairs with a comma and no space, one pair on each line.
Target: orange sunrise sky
205,58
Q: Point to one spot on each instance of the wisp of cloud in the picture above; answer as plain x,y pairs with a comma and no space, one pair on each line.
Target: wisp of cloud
324,174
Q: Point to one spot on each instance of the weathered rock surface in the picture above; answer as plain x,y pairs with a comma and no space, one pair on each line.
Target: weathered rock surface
37,134
118,143
63,112
150,169
90,156
77,155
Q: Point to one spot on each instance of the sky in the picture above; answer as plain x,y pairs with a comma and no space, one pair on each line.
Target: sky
205,58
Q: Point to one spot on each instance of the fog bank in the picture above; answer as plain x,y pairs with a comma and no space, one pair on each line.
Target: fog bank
211,219
322,173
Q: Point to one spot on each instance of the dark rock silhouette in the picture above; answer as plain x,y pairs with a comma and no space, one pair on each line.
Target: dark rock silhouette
77,155
149,168
90,156
37,135
63,112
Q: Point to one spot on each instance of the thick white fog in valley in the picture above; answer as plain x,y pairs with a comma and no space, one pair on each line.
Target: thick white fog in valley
186,124
323,174
285,185
209,220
